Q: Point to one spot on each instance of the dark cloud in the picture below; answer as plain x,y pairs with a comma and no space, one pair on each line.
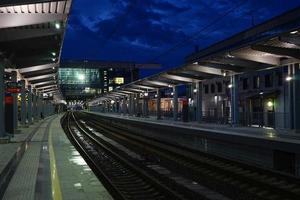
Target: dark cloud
140,30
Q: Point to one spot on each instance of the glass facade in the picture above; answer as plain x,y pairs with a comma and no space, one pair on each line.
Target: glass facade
79,76
87,82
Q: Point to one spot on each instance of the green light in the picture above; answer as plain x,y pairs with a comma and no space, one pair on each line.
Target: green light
81,77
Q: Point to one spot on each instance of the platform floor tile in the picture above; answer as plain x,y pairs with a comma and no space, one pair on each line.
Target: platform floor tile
77,181
22,185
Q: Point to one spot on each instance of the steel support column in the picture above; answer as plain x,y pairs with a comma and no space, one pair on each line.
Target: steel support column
145,107
296,83
158,102
29,106
234,100
175,103
23,103
131,104
2,93
15,102
34,104
198,102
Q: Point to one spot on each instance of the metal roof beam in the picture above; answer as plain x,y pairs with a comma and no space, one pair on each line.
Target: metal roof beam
143,87
38,68
186,75
241,62
158,83
178,78
41,77
225,67
41,84
19,34
267,59
47,87
204,69
294,53
290,39
133,90
23,19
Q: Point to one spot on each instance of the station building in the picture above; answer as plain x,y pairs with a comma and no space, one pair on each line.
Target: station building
82,80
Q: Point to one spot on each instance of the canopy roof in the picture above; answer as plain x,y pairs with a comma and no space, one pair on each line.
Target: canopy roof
271,44
31,37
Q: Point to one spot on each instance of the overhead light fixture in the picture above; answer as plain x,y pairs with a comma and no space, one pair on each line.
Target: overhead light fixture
230,86
288,78
270,104
53,54
293,32
112,102
261,93
57,25
195,90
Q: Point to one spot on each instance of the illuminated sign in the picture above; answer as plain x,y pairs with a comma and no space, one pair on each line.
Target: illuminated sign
119,80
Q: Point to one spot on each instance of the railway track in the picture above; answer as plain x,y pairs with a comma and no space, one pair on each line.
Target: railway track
234,180
123,179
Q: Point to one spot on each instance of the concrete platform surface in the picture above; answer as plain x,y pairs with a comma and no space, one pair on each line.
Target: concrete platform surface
51,168
253,132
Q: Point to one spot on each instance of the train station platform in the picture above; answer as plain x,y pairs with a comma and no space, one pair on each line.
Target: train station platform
266,148
41,163
256,132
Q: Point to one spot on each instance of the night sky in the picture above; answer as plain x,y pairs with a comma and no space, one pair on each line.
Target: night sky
160,31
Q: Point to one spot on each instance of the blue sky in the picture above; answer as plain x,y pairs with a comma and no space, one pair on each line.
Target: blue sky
159,30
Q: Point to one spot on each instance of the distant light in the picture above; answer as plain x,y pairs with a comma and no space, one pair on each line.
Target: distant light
81,77
270,104
57,25
112,102
53,59
261,93
155,95
172,93
53,54
146,94
230,86
195,63
293,32
230,56
53,67
195,90
224,73
134,98
288,78
169,86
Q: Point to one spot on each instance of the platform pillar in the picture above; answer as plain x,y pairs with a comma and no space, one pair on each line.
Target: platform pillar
296,87
15,102
158,102
130,104
175,103
29,106
234,100
198,101
23,103
34,104
2,93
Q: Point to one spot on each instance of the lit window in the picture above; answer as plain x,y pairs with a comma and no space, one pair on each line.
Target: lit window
119,80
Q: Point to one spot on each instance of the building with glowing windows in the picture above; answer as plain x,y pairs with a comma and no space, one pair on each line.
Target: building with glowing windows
82,80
